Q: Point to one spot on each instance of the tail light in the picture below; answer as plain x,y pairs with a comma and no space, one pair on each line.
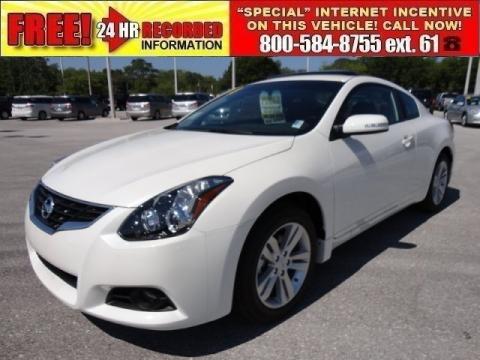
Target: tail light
194,104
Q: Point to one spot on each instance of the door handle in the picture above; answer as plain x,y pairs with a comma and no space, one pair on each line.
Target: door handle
407,141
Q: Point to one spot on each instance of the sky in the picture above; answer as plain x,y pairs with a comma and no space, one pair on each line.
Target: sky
214,66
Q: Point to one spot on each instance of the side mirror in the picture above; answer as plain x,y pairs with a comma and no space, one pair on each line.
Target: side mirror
365,124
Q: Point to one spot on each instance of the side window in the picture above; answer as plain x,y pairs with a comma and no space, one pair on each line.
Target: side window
369,99
408,106
458,99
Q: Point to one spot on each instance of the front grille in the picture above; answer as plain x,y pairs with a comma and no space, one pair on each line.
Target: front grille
64,210
68,278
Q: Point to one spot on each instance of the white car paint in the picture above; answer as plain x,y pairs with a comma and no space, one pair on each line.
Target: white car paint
357,182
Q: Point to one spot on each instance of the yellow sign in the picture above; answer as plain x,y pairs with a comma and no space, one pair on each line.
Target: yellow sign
115,28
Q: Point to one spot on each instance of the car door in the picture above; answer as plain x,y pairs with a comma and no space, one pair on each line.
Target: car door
372,171
455,108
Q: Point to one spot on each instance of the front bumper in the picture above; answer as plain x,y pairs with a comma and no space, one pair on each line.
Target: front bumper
195,270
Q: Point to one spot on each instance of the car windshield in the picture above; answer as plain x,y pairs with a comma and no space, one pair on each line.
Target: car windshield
449,96
185,97
272,108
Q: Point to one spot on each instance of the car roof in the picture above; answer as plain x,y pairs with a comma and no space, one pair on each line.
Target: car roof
329,75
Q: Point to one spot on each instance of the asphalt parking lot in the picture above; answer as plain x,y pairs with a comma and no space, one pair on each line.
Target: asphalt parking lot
407,289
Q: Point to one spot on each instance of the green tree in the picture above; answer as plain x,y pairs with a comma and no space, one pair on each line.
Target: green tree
140,76
28,75
250,69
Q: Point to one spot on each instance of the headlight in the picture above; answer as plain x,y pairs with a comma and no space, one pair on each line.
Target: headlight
173,212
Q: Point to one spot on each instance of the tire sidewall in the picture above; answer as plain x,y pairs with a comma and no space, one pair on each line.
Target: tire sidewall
246,295
428,203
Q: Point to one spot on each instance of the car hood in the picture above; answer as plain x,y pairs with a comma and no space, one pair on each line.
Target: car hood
128,171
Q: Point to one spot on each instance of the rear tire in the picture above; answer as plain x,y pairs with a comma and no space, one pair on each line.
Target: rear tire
61,119
4,115
438,185
157,115
134,118
270,279
42,115
105,113
81,115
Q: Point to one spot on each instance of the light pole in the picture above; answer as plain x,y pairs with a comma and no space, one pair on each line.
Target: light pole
477,80
175,77
308,63
467,79
233,73
110,89
88,77
63,78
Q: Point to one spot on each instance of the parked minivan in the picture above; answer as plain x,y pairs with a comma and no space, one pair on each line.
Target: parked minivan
80,107
148,106
5,107
31,106
185,103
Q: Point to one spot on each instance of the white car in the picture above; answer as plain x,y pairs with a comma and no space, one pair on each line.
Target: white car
167,229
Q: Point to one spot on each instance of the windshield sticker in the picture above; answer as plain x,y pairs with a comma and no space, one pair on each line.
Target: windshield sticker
271,107
297,124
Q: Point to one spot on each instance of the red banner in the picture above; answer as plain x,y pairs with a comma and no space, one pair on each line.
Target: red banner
355,28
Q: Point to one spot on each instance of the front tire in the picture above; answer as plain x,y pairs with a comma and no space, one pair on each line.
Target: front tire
464,120
4,115
81,115
276,265
134,118
438,185
42,115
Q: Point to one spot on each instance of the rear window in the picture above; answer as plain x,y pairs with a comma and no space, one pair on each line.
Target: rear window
189,97
61,100
22,101
449,96
142,98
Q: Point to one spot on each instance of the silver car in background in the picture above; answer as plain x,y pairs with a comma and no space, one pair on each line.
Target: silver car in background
184,103
153,106
443,100
31,107
79,107
464,110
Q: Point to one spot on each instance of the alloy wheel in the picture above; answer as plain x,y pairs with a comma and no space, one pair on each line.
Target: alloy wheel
283,265
440,181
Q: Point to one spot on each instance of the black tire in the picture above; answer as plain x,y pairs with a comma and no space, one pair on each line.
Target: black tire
247,303
24,119
157,115
61,119
4,115
464,120
81,115
105,113
134,118
429,204
42,115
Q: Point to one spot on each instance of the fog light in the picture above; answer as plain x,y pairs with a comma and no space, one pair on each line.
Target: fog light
142,299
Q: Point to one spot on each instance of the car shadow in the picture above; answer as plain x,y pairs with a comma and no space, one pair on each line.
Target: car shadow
230,331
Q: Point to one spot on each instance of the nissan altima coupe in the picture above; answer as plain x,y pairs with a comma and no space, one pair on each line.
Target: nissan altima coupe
230,208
